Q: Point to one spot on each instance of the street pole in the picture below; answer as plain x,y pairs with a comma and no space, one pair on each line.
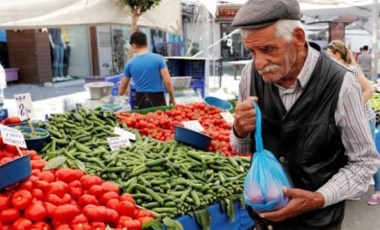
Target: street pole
375,31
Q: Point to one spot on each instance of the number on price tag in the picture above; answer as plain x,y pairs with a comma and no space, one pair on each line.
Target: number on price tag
193,125
228,117
24,106
116,143
124,133
12,136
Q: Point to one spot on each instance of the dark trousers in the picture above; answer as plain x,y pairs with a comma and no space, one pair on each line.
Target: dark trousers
66,59
147,100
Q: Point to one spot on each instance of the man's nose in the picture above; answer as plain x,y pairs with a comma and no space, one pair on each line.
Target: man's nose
260,61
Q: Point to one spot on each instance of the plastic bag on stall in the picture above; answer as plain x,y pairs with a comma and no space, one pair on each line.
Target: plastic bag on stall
263,185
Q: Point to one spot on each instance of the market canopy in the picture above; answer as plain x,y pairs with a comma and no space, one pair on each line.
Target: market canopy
27,14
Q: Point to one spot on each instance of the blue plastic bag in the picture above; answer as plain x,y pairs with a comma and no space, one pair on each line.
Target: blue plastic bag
263,185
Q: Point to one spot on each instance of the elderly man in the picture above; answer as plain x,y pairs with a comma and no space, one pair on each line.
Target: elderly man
312,118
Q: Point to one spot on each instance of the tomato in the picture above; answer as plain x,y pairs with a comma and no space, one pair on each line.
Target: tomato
38,194
125,208
36,212
21,199
38,164
98,225
62,227
128,197
41,184
80,222
112,203
132,224
66,175
75,189
88,181
9,215
47,176
26,184
5,160
49,208
65,213
12,120
110,187
142,213
4,202
41,226
56,188
96,190
86,199
21,224
107,196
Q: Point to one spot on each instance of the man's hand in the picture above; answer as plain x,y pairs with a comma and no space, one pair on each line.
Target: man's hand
300,201
172,101
245,117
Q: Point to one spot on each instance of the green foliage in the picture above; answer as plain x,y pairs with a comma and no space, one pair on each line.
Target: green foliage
141,6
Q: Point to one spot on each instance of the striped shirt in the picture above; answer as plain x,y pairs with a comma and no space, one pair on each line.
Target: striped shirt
363,160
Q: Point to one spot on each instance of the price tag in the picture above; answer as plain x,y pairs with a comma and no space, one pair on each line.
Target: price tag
228,117
124,133
24,106
193,125
12,136
116,143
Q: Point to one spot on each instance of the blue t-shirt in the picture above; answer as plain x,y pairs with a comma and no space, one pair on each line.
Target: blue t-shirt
145,69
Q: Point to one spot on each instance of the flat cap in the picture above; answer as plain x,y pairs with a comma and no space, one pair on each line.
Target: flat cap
260,13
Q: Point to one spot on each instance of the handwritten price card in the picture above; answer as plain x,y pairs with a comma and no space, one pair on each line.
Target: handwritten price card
193,125
12,136
24,106
117,143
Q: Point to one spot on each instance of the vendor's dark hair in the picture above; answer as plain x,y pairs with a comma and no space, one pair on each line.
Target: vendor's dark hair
138,38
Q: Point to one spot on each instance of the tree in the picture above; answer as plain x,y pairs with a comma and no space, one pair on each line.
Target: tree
138,7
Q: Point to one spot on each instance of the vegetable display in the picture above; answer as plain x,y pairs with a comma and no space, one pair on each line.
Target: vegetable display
160,124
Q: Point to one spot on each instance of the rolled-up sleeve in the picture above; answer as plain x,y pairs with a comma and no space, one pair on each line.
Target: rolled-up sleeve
242,145
363,160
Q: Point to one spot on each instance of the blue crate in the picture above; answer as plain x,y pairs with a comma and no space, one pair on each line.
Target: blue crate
196,69
198,85
115,91
114,79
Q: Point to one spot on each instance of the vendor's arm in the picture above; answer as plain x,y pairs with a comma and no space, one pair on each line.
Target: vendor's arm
168,84
363,160
239,144
124,86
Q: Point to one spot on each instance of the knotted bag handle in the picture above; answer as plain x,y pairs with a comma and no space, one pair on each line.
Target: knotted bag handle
258,138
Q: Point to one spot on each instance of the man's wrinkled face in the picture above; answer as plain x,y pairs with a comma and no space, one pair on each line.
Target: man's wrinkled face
274,56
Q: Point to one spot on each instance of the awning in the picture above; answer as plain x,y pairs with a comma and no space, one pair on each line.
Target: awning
27,14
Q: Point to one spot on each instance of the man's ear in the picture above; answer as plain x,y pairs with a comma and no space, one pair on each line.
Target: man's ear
299,37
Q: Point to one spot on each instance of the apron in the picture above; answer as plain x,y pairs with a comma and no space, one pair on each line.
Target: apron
147,100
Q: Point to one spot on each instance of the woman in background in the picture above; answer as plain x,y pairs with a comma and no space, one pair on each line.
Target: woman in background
339,51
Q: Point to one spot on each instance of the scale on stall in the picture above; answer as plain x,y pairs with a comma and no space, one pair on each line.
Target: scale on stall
184,93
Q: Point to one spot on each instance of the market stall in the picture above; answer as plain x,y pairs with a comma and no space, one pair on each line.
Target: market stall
177,184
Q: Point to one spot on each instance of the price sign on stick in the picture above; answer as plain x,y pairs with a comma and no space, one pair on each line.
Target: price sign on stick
12,136
228,117
193,125
116,143
24,106
124,133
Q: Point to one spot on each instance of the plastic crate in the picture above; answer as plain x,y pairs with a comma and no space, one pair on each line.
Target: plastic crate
114,79
196,69
115,91
198,85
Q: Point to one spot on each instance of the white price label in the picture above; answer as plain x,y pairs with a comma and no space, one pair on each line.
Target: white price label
193,125
116,143
12,136
228,117
24,106
124,133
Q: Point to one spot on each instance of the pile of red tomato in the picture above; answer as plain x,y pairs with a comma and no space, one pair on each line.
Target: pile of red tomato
67,199
160,124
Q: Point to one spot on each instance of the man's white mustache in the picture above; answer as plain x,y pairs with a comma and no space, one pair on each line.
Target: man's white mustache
269,68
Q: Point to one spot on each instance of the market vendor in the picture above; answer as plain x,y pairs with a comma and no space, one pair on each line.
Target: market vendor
150,75
312,118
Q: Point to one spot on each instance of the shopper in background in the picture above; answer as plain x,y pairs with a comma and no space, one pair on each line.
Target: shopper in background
312,118
3,84
339,51
150,75
57,46
364,60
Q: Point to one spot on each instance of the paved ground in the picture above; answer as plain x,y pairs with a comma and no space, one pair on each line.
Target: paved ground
359,215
